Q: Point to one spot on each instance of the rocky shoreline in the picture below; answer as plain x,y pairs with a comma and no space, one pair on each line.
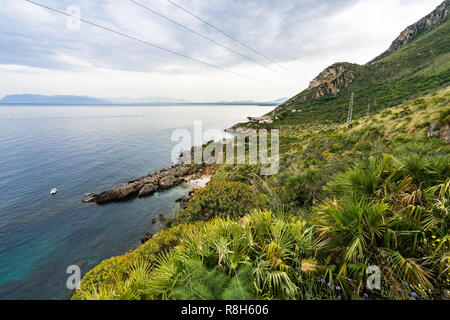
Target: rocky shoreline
145,186
196,175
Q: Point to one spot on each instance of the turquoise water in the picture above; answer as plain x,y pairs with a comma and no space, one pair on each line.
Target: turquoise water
80,150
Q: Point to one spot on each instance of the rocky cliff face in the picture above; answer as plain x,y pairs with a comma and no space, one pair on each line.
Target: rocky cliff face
429,22
330,81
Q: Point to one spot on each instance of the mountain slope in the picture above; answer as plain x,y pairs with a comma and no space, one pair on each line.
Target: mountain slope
413,69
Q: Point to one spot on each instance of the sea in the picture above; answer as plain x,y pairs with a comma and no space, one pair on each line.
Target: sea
79,150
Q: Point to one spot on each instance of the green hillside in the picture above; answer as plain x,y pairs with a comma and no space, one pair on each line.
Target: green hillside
421,66
348,196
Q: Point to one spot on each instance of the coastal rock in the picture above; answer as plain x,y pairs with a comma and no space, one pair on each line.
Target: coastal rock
89,197
146,237
119,193
147,185
169,181
182,171
151,178
186,198
148,189
161,219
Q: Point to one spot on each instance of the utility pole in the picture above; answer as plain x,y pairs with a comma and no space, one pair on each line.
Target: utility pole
350,109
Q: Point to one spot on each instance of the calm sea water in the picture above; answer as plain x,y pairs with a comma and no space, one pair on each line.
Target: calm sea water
80,150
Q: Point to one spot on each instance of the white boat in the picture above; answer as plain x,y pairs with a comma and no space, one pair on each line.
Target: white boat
53,191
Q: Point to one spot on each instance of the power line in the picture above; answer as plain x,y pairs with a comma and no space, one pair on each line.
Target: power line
206,37
235,39
156,46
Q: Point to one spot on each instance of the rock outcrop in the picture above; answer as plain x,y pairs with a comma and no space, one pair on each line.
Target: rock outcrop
439,130
146,237
148,189
433,130
330,81
147,185
444,134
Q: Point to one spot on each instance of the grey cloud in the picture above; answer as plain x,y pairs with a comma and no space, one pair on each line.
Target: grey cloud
283,29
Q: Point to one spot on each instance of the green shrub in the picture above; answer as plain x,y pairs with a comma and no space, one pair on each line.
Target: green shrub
221,199
267,255
236,173
362,145
354,225
112,271
444,116
303,187
427,163
386,113
363,180
199,283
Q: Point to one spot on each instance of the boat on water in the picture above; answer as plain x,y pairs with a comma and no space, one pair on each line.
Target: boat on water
53,191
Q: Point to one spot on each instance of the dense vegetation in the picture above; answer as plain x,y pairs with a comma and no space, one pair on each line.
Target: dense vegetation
220,199
348,196
314,237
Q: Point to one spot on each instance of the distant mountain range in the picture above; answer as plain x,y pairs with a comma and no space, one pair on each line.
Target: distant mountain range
126,100
41,99
36,99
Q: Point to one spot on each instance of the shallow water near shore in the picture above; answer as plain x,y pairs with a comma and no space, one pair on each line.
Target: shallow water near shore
79,150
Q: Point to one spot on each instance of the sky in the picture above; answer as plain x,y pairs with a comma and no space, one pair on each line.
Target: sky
43,52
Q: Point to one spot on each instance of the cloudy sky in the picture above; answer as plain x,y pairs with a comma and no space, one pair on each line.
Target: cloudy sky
42,52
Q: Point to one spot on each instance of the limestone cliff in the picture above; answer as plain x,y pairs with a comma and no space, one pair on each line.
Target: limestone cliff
330,81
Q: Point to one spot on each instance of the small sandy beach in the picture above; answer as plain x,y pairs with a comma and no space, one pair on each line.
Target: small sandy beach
199,183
